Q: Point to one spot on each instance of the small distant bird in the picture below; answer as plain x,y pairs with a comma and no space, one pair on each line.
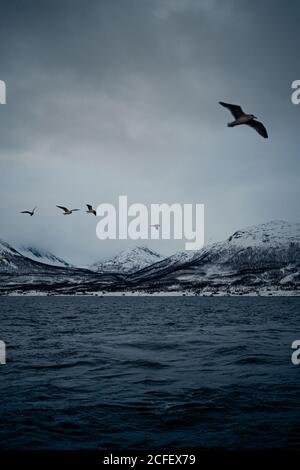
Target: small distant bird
90,209
242,118
156,226
29,212
67,211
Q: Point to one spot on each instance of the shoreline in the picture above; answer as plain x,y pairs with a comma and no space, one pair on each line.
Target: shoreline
265,293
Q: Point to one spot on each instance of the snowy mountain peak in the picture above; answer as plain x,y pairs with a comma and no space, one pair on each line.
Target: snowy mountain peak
43,256
128,261
6,249
273,233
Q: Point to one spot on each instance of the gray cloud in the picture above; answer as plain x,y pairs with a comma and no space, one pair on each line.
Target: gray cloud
112,97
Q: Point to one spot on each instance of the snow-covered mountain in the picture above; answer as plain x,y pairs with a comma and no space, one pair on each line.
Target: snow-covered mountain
43,256
6,249
7,256
256,257
28,261
275,233
21,274
128,261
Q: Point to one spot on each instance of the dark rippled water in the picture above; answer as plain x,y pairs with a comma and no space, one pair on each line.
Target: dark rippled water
141,373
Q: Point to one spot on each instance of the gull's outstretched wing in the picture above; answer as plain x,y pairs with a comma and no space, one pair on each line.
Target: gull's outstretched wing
259,127
235,110
25,212
65,209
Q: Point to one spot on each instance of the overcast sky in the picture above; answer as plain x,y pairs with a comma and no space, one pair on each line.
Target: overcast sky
114,97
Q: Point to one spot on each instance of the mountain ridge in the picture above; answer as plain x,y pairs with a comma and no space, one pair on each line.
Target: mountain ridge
250,256
255,259
128,261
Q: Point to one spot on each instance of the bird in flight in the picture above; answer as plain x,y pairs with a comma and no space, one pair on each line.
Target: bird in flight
90,209
243,118
31,213
66,210
156,226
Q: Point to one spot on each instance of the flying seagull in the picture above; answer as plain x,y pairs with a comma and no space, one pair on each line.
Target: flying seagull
90,209
66,210
29,212
243,118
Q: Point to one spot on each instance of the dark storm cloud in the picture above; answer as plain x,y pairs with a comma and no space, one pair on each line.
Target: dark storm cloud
120,97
